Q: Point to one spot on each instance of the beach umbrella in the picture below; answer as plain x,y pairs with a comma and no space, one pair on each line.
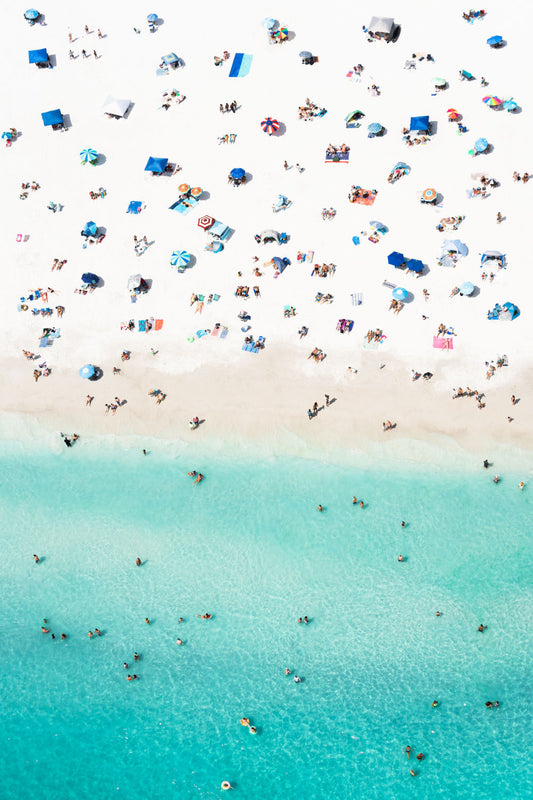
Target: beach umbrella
353,115
305,54
87,371
440,82
196,191
494,40
180,258
237,173
454,246
452,113
428,195
171,58
510,105
491,101
115,106
375,127
7,135
90,228
270,125
156,164
466,288
31,13
88,156
38,56
183,188
206,222
54,117
480,145
419,124
269,23
395,258
400,293
134,281
378,226
414,265
90,278
152,18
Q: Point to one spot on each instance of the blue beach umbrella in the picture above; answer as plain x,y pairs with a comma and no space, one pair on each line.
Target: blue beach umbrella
414,265
38,56
400,293
375,127
395,258
31,13
90,229
180,258
466,288
269,23
88,155
480,145
237,173
510,105
419,124
152,17
90,278
7,135
87,371
156,164
494,40
54,117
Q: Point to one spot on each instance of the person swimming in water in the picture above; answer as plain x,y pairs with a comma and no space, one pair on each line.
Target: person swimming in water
408,750
138,561
204,616
287,671
496,479
306,620
45,630
434,704
297,679
401,558
402,524
199,478
482,628
136,656
179,641
320,508
36,559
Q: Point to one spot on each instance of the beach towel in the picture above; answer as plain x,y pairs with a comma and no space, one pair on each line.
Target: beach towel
338,158
357,298
158,324
241,65
216,330
142,326
45,342
439,343
224,333
370,345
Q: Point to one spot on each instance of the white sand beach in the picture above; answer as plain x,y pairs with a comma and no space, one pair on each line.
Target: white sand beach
264,396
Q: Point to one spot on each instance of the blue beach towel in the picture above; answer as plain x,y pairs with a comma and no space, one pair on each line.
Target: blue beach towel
142,325
240,66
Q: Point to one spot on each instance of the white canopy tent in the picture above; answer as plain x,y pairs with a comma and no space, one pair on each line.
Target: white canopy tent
115,106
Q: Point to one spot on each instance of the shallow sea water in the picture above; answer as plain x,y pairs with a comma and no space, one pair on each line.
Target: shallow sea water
249,546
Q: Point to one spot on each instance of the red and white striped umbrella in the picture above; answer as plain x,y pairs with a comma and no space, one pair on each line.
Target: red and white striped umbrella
270,125
206,221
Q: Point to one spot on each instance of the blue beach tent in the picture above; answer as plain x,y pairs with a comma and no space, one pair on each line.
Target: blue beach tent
38,56
90,278
156,164
419,124
395,259
54,117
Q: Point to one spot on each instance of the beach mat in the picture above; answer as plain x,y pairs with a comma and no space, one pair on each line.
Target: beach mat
158,324
241,65
439,343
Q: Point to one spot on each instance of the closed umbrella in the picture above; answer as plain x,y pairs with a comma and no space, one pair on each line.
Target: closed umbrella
87,371
480,145
88,156
375,127
237,173
180,258
492,101
400,293
270,125
466,288
494,40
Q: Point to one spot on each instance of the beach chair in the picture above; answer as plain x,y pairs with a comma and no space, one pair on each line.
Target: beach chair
464,74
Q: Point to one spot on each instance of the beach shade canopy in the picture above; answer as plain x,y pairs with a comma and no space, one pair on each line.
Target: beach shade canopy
454,246
489,255
115,106
492,101
237,173
90,229
381,26
419,124
395,258
400,293
510,105
54,117
429,195
279,263
510,311
466,288
375,127
38,56
440,81
480,145
90,278
206,222
378,226
493,40
152,17
353,115
31,14
169,59
269,23
180,258
156,164
87,371
270,125
88,155
134,281
414,265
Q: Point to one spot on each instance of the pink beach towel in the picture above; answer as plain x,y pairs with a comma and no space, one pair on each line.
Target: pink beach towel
158,324
439,343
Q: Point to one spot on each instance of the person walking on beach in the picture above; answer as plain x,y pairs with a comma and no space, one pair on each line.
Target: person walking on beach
88,400
285,166
309,413
499,217
326,399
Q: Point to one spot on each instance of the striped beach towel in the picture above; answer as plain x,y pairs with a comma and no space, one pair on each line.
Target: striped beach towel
240,66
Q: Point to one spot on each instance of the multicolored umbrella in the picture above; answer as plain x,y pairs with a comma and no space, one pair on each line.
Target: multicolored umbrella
270,125
480,145
206,222
196,191
452,114
87,371
180,258
428,195
400,293
88,156
183,188
492,101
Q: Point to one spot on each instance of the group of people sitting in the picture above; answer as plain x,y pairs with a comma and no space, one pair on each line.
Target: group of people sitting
417,140
316,354
95,195
359,195
470,16
323,298
468,392
449,223
289,311
310,110
333,150
158,394
445,330
396,306
324,270
243,291
374,336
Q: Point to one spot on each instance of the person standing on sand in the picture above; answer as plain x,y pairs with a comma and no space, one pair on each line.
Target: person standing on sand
326,399
88,400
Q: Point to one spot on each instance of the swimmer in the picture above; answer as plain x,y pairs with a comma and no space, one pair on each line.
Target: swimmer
252,729
361,504
199,478
90,634
179,641
420,756
45,630
306,621
402,524
136,656
147,620
225,785
354,501
138,561
36,559
520,486
438,613
144,452
488,704
320,508
412,773
434,704
496,479
193,474
401,558
245,721
297,679
180,619
98,631
129,678
300,620
482,628
408,750
63,635
204,616
287,671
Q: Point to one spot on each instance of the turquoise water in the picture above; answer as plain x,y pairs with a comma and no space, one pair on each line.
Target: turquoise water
249,546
